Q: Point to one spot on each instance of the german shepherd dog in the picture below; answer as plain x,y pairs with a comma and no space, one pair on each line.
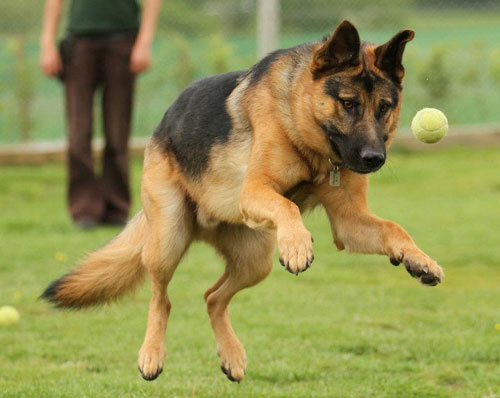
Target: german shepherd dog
236,160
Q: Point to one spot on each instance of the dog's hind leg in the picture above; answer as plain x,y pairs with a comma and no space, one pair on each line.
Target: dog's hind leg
215,286
168,235
248,255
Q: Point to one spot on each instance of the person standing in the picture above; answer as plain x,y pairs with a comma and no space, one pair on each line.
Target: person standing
107,44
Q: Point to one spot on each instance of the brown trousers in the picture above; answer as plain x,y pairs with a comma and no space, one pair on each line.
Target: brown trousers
104,63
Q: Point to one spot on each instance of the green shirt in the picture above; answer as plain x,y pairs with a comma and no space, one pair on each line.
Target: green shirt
103,16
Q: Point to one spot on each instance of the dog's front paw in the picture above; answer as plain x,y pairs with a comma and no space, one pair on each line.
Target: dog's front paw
295,249
151,362
233,360
420,266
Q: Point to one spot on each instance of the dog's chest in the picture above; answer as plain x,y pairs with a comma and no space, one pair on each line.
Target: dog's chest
303,196
218,193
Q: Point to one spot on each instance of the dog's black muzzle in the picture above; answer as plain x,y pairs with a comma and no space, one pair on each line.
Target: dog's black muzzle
355,151
371,159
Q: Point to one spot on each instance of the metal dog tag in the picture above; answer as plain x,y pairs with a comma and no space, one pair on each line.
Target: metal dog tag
335,176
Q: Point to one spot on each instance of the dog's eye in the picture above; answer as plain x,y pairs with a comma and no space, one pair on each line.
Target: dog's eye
348,104
384,107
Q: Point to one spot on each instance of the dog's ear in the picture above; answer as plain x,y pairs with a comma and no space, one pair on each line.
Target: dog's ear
389,56
340,50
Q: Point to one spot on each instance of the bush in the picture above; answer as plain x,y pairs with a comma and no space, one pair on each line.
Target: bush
184,70
20,17
494,69
434,73
298,15
219,54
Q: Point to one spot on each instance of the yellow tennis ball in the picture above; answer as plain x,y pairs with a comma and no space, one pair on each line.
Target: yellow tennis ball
8,315
429,125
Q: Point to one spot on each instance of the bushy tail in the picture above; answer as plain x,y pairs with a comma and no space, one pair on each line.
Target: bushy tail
106,273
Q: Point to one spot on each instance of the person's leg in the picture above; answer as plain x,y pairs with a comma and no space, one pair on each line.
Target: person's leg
118,87
81,78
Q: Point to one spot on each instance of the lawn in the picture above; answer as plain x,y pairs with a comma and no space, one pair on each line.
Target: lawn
350,327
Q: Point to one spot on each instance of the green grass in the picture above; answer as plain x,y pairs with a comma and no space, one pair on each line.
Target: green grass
352,326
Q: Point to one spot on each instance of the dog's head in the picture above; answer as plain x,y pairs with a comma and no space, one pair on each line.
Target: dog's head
354,93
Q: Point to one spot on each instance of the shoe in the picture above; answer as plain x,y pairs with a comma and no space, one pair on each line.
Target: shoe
114,223
86,224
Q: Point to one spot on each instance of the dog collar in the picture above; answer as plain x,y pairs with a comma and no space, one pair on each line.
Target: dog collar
334,174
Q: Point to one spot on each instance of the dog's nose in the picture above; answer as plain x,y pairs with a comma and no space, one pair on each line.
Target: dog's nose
372,158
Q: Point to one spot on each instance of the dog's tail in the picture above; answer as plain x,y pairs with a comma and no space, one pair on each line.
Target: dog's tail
106,273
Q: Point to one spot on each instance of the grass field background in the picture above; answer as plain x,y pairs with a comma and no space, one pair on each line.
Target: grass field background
350,327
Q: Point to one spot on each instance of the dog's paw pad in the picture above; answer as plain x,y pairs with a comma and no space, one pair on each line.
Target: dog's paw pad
423,268
235,375
233,361
151,363
394,261
295,251
150,376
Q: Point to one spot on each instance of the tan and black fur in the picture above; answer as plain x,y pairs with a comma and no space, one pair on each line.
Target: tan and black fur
235,162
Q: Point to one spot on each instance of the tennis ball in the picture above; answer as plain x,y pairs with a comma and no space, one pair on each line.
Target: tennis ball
429,125
8,315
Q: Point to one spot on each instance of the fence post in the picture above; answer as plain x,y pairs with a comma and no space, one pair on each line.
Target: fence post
268,26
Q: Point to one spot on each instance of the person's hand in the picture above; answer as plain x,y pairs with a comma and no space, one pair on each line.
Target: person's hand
140,58
50,61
